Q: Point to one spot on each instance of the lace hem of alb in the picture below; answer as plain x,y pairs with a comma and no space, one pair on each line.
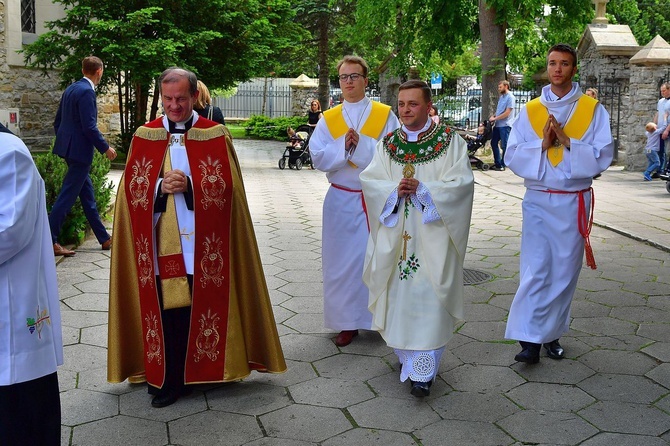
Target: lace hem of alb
419,365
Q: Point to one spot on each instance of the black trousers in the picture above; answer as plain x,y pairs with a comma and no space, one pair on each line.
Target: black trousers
176,324
30,413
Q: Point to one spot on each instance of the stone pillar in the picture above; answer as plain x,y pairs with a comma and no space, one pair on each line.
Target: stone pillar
648,67
601,6
304,90
604,53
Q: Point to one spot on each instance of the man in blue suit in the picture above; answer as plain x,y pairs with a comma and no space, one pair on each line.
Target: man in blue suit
77,134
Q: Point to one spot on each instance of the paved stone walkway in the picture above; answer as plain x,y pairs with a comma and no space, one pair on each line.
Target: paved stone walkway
611,390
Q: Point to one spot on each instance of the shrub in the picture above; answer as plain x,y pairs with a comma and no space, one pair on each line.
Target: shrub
52,168
262,127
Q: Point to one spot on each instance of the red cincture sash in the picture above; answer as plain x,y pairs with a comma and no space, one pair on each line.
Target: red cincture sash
584,224
355,191
212,199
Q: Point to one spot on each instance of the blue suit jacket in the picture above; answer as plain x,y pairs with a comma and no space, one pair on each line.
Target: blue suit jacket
76,124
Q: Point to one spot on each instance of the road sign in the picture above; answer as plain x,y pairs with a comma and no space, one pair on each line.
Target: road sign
436,81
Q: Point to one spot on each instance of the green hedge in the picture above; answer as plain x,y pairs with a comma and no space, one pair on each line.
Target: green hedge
262,127
53,168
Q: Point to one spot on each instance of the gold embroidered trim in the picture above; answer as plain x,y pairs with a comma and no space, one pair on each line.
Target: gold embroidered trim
151,134
217,131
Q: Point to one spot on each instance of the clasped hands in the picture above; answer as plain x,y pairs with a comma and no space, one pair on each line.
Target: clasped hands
350,141
174,182
407,187
553,132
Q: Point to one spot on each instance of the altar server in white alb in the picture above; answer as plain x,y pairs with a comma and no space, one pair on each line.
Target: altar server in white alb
418,190
342,145
31,343
560,141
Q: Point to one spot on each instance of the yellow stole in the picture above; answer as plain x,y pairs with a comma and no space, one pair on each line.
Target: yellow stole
373,126
575,128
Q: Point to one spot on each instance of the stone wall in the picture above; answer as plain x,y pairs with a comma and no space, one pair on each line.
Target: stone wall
645,89
302,99
37,98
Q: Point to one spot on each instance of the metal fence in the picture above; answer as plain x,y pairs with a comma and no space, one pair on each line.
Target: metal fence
270,98
464,109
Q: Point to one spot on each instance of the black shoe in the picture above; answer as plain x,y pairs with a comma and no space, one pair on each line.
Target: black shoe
420,389
554,350
530,353
656,175
499,168
165,398
596,176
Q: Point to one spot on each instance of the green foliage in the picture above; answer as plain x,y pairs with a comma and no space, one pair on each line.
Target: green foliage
262,127
222,42
52,168
646,19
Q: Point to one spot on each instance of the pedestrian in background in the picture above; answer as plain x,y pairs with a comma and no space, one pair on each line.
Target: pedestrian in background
203,105
661,120
502,120
653,135
77,135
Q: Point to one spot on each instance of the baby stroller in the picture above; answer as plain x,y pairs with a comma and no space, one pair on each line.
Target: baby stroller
475,142
297,149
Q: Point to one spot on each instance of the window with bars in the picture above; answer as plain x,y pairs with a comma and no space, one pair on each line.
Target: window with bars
28,16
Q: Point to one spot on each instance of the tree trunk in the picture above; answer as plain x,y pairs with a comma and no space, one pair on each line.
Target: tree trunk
154,102
324,70
494,51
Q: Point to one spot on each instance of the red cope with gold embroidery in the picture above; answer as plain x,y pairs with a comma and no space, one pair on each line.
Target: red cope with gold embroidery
212,200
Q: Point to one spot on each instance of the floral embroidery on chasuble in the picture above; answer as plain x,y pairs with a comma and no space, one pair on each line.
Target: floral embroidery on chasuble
431,145
211,179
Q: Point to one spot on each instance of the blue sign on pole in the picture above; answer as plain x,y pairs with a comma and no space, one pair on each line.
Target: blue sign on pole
436,81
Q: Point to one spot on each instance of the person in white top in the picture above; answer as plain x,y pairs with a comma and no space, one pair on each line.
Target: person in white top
31,341
558,144
342,145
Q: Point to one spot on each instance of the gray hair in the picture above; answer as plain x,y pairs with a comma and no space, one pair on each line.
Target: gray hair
175,74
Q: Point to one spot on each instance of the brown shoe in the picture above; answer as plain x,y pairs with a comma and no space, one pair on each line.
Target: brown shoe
345,337
60,251
107,245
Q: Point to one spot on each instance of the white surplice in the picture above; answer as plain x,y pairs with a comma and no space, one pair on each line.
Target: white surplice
345,228
31,343
551,246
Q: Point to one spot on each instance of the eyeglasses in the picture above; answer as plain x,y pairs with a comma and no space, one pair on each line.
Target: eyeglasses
353,76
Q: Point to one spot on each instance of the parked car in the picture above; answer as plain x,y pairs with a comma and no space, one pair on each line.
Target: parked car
469,119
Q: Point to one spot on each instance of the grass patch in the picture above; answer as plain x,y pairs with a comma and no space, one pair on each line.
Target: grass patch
237,131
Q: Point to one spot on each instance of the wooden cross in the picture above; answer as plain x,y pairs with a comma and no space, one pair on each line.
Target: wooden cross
406,237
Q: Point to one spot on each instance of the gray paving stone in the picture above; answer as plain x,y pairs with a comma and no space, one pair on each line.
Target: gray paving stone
619,342
301,347
138,403
351,367
639,315
89,285
121,430
300,276
626,418
647,288
96,380
459,432
310,289
368,343
275,283
248,397
483,378
297,372
474,406
361,436
659,350
585,308
399,415
71,335
609,439
565,371
81,357
81,319
100,273
88,302
82,406
389,385
615,361
659,302
550,397
214,427
484,313
532,426
484,331
305,423
603,326
272,441
307,323
67,379
487,353
625,388
303,305
281,314
96,336
661,374
617,298
331,392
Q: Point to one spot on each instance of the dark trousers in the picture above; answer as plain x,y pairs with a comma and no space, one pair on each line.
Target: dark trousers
499,135
661,155
30,413
77,183
176,324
